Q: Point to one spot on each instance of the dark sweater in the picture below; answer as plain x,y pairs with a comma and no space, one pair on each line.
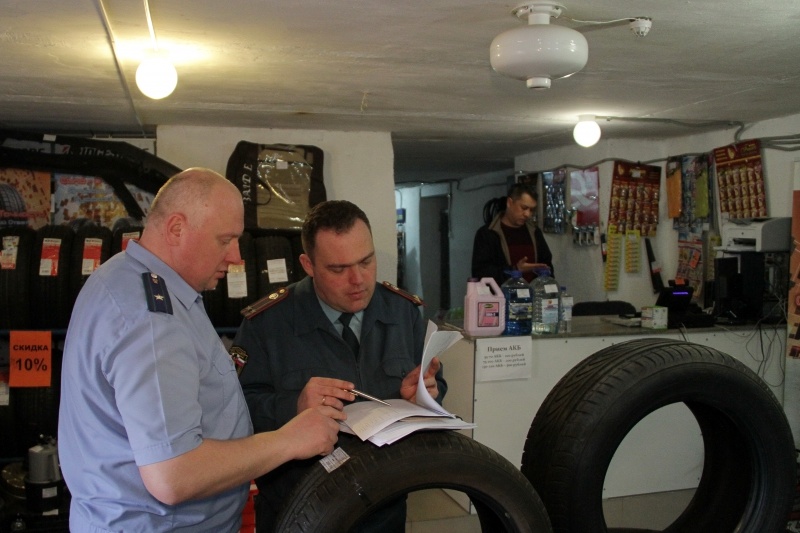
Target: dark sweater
490,257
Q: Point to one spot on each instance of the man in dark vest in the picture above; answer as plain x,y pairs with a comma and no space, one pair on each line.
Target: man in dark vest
510,240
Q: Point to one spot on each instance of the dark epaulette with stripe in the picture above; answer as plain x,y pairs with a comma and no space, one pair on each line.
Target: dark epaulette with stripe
265,303
413,298
155,290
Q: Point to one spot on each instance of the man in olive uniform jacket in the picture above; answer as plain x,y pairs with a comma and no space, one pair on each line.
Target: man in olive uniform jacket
337,329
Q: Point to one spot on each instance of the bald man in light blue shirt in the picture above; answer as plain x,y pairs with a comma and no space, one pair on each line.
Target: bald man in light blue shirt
154,433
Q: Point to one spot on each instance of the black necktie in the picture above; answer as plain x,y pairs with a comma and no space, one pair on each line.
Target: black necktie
347,333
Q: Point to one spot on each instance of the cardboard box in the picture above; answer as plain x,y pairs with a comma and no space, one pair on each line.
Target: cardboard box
654,317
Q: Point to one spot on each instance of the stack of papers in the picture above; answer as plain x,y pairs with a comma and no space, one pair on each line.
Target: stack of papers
385,424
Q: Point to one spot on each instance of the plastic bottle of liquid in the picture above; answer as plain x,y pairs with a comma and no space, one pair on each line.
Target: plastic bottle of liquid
565,313
519,306
484,308
545,303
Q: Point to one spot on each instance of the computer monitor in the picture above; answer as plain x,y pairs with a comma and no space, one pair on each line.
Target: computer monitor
728,302
677,299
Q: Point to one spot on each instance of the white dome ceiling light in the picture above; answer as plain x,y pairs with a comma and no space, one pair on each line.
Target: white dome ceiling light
539,52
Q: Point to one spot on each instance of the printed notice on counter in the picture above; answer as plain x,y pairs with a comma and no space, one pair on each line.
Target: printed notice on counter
499,359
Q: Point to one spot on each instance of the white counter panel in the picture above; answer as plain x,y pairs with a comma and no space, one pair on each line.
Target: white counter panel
663,452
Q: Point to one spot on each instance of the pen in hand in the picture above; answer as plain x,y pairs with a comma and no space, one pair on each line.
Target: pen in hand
367,396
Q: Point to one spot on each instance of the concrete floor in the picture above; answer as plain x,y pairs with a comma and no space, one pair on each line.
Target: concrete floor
434,511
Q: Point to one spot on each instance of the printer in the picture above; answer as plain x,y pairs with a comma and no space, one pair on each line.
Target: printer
757,235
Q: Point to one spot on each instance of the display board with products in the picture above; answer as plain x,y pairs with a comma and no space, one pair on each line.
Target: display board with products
554,185
634,198
740,180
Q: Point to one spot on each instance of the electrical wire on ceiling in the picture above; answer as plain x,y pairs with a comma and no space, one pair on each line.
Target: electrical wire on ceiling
587,131
150,25
640,26
689,123
785,143
120,73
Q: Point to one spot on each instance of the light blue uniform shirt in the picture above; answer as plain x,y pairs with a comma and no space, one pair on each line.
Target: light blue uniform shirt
140,387
333,315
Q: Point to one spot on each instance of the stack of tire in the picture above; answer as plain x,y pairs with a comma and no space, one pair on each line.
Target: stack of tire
38,287
223,305
39,284
259,248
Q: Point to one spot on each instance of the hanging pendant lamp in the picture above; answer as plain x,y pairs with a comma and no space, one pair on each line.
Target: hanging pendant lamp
156,76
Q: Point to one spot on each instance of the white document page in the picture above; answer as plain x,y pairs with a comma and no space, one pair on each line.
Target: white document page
368,418
436,342
397,430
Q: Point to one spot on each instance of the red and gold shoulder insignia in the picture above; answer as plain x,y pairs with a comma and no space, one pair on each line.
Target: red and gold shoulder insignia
413,298
265,303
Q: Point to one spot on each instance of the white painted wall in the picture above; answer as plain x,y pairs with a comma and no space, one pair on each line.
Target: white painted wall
358,166
581,269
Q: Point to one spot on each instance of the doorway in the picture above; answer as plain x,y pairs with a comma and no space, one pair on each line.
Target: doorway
434,256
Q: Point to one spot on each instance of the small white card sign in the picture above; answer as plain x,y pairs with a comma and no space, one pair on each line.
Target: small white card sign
277,271
502,358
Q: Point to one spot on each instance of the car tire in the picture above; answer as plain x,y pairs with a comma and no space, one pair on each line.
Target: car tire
748,479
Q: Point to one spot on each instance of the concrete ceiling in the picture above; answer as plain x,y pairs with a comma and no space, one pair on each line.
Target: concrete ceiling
416,68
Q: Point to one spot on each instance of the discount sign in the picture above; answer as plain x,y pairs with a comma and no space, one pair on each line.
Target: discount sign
31,356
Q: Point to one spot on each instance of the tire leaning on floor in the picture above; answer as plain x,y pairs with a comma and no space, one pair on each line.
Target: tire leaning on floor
329,503
748,478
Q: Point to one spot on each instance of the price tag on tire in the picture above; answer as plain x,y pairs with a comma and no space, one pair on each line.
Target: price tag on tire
30,359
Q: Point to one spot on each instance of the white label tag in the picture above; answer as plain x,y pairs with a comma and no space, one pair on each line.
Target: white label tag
334,460
276,271
48,262
92,252
237,281
5,394
8,256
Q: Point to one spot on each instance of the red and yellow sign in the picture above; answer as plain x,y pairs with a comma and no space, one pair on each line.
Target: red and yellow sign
31,359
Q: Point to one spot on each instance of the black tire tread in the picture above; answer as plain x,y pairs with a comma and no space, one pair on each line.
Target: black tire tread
324,502
588,413
15,284
51,302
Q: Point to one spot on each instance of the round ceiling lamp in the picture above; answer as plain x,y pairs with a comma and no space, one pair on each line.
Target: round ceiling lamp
539,52
156,76
587,131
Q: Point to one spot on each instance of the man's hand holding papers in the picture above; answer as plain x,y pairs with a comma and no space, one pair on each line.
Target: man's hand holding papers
381,424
